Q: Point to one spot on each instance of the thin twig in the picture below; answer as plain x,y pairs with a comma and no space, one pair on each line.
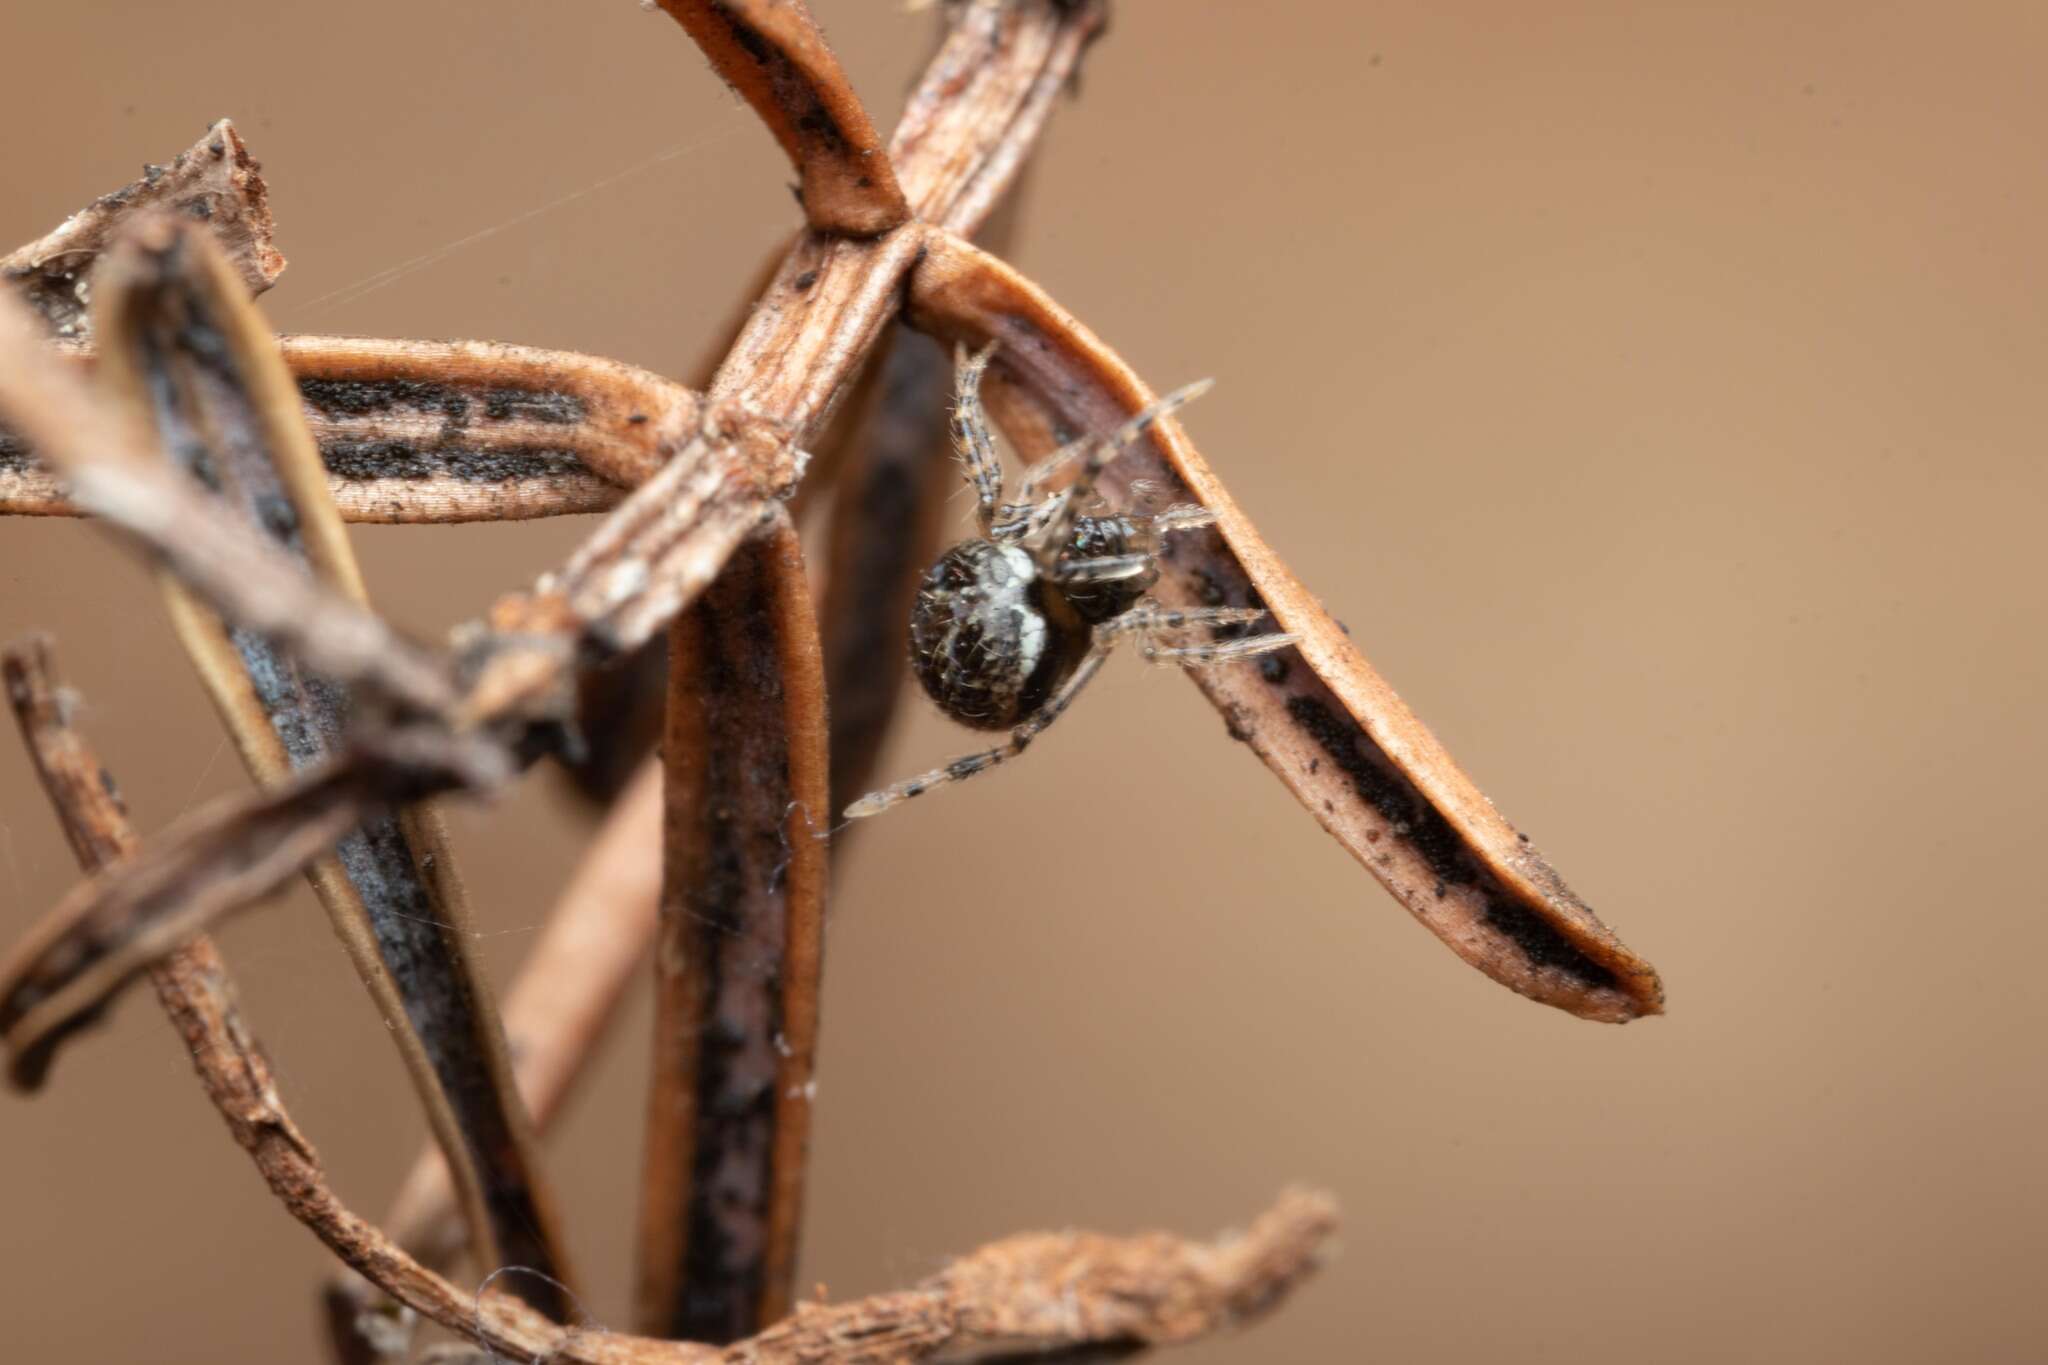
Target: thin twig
222,859
972,117
1318,715
772,53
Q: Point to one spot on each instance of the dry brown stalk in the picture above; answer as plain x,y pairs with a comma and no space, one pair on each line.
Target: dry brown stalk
215,182
1041,1290
775,57
1318,716
449,431
738,964
618,707
181,341
109,455
222,859
566,995
975,113
990,87
656,552
723,1180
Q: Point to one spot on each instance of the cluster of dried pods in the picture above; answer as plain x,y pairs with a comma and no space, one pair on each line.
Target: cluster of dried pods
140,386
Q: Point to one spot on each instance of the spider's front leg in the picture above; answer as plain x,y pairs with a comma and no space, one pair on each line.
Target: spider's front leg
1092,455
971,439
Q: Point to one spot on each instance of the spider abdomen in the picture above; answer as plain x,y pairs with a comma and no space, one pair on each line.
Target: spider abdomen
989,638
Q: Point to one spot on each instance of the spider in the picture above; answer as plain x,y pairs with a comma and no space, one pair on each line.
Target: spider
1009,627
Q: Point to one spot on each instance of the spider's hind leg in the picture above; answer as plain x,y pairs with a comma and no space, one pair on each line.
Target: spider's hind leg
968,765
1163,634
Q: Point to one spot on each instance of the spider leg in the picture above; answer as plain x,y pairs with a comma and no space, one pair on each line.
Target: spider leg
1151,618
971,439
966,766
1094,454
1101,568
1158,629
1016,521
1212,651
1183,516
1031,487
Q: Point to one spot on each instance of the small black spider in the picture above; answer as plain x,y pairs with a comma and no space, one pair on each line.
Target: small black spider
1010,626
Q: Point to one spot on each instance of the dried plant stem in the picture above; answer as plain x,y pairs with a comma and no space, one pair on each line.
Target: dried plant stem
738,965
721,1195
111,929
431,432
180,341
772,53
667,541
1038,1291
618,709
972,117
110,457
1318,716
567,994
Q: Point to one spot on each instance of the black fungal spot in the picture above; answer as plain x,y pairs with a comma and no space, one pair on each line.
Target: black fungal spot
365,398
533,405
363,461
1273,669
361,398
805,280
275,513
818,122
744,34
1439,846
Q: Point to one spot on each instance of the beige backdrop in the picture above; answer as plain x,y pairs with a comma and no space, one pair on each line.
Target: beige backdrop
1655,390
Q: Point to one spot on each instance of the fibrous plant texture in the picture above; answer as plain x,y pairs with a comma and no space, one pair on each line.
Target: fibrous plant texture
676,665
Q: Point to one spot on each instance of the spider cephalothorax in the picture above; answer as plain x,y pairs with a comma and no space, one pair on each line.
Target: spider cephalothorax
1009,626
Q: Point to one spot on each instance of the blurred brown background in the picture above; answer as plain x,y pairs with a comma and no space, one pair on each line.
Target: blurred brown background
1655,390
